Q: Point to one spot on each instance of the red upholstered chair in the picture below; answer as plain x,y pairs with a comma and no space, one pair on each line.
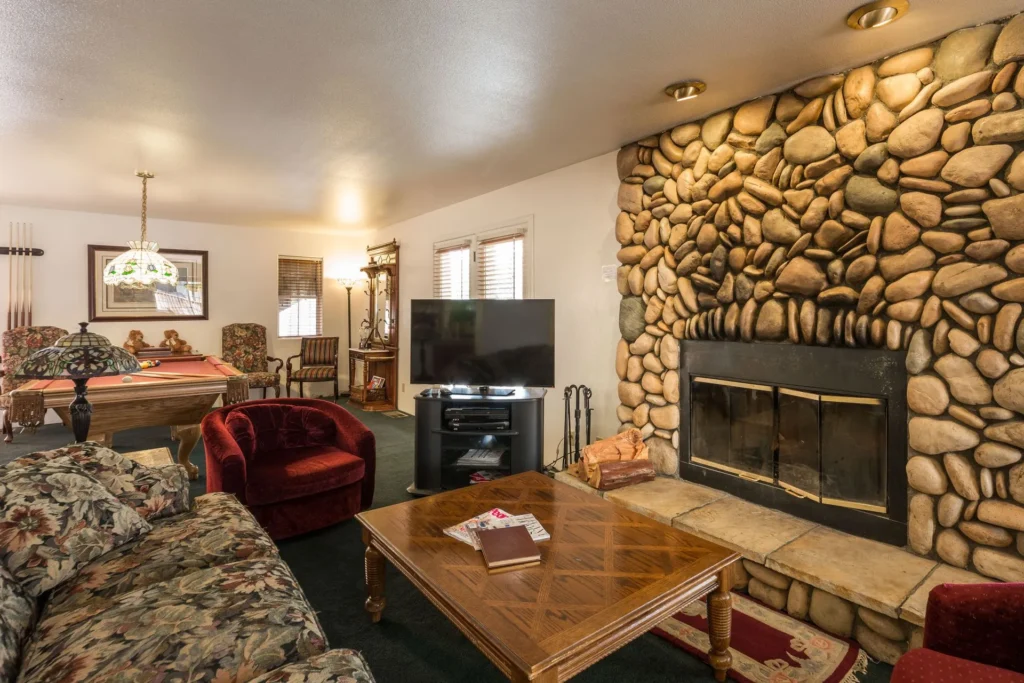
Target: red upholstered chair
972,632
298,463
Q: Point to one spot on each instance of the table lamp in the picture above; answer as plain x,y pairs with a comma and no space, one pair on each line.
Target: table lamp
78,357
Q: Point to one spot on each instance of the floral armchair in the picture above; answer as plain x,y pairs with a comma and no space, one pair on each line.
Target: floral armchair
244,345
16,345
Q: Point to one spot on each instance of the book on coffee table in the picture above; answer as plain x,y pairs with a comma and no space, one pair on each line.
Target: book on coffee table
508,546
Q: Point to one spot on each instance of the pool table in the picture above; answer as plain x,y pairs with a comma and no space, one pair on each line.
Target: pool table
177,393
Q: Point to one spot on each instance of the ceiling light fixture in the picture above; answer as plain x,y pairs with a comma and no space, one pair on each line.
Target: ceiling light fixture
142,266
685,90
878,13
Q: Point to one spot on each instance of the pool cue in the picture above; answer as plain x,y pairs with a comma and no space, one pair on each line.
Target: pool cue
10,274
21,274
16,287
28,276
171,375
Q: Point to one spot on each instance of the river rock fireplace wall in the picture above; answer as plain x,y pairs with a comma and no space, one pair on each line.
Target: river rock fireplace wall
880,209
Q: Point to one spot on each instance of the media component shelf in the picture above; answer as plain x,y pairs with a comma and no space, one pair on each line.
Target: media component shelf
465,437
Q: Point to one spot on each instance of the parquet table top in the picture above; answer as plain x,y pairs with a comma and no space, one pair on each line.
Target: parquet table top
607,575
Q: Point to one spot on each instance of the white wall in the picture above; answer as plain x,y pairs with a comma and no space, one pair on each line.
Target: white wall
573,236
242,275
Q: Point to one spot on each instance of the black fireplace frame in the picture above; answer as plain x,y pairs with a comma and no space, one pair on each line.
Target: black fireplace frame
860,372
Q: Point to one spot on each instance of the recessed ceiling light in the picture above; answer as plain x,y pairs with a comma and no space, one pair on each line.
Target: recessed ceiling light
685,90
878,13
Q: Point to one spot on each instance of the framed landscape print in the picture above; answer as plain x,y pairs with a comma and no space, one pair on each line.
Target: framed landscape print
188,300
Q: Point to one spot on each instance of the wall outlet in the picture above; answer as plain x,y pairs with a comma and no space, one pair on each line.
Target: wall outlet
608,273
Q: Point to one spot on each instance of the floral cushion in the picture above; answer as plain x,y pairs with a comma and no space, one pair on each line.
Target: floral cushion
258,380
54,518
17,613
244,345
229,623
336,666
18,344
153,492
220,530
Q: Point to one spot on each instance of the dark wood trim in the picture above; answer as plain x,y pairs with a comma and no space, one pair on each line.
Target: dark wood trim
93,317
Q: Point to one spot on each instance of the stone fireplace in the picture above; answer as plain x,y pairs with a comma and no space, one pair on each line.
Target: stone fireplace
819,433
822,293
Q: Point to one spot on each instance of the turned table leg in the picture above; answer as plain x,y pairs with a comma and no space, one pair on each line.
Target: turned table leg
188,437
720,624
374,563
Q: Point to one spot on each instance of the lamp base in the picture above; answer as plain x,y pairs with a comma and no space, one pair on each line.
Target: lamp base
81,411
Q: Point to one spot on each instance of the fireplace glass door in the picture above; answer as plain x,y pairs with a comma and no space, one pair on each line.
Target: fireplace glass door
853,439
733,427
799,443
830,449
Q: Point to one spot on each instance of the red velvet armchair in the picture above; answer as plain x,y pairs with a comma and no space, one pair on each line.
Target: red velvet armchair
298,464
972,632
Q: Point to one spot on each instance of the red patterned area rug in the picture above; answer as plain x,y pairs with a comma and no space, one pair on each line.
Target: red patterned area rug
768,646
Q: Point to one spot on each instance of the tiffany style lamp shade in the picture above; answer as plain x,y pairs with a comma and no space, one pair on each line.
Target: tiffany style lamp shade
78,357
142,266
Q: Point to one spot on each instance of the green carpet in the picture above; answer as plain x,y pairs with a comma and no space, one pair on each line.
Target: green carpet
414,643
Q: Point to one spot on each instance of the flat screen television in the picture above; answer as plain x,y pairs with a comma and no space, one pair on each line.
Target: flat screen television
484,342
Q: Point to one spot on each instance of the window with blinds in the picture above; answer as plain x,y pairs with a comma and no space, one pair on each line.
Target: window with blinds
300,296
499,267
451,270
490,265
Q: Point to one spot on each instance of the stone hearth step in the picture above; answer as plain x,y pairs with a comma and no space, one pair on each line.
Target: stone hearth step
913,607
748,528
663,499
878,576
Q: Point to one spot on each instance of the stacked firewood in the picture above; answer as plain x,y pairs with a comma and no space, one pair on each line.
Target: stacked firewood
616,462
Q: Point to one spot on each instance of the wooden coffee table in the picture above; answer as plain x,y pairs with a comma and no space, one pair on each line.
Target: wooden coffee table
607,576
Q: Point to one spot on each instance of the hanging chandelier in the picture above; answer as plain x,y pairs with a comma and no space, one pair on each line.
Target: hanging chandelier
141,266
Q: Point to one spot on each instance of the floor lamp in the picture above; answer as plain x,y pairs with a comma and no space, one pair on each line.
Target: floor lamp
348,283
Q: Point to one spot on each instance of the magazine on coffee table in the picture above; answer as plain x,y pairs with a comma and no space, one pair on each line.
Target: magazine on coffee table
537,531
460,531
496,519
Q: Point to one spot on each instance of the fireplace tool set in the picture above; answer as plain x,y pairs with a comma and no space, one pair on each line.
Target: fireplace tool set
571,433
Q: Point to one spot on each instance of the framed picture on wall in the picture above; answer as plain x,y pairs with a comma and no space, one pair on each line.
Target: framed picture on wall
188,300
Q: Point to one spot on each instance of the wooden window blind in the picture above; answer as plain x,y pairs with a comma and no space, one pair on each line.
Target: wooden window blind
300,296
451,270
499,266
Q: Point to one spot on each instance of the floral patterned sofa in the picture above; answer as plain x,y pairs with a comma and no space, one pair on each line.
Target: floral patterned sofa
201,596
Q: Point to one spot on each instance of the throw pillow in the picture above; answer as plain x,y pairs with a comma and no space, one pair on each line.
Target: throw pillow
153,492
17,613
54,518
280,427
243,432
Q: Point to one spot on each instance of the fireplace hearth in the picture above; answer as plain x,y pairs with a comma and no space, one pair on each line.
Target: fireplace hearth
816,432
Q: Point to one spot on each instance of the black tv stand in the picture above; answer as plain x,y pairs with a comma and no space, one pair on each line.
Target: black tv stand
511,423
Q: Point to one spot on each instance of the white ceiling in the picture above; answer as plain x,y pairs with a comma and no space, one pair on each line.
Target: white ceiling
367,112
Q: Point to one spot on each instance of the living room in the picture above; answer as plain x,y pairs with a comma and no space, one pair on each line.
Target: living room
719,347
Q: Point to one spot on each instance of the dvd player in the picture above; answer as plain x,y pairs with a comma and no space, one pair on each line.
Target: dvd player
475,413
458,425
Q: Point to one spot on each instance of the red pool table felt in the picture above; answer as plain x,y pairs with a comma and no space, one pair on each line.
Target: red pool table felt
211,366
